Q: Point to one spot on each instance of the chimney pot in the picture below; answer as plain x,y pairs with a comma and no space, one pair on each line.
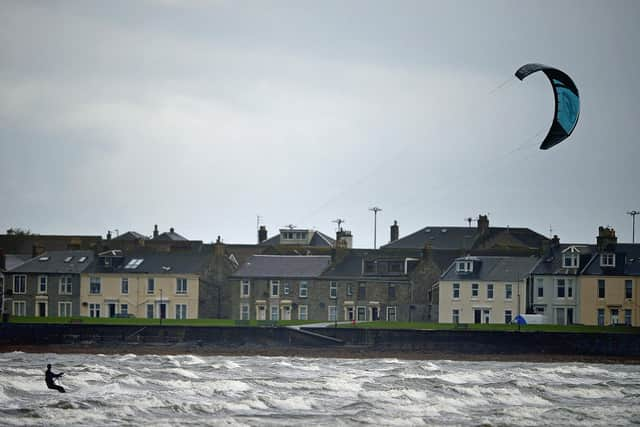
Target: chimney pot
395,231
155,231
262,234
171,229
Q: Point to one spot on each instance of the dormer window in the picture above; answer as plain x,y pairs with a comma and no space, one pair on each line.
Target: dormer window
607,259
464,266
570,260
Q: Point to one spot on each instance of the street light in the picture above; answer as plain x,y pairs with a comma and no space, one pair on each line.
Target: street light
375,211
633,215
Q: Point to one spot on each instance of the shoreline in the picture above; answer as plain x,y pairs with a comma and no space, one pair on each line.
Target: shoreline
307,352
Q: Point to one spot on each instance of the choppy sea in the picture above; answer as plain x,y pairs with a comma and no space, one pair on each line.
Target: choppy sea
258,391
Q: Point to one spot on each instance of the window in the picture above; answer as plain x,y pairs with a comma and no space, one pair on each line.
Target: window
456,290
614,316
369,267
68,259
133,263
286,289
124,309
20,284
181,285
332,313
391,314
601,317
275,312
19,308
275,289
362,314
65,285
94,286
94,310
42,284
508,291
475,290
490,291
333,290
600,288
124,285
628,289
244,311
540,287
560,288
570,260
149,311
608,259
245,288
82,259
181,311
507,316
569,288
349,289
303,290
392,291
395,267
302,312
464,266
64,309
455,316
627,317
151,285
362,291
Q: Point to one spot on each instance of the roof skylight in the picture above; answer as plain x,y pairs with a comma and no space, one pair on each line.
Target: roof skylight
68,259
134,263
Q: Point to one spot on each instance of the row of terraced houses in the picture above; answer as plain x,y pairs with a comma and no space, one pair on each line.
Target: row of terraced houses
441,274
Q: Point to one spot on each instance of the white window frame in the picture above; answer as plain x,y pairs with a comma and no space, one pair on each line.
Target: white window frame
245,313
68,308
181,286
510,316
332,312
333,290
476,290
20,283
570,260
94,310
490,287
124,285
42,282
303,289
65,285
245,284
126,309
455,288
153,311
151,285
362,309
464,266
181,311
455,316
569,289
19,308
392,313
303,312
274,285
274,312
561,284
607,259
508,296
95,281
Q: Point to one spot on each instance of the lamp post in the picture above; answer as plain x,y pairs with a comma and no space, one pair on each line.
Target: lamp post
633,215
375,211
160,307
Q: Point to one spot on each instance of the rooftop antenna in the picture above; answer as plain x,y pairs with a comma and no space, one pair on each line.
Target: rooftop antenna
339,221
550,230
470,220
375,211
633,216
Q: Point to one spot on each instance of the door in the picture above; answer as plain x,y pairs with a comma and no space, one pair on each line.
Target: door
42,309
486,314
163,310
112,310
350,316
262,313
375,313
569,316
477,315
559,316
286,312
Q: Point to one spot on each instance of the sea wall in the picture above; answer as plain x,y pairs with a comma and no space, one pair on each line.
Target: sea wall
382,340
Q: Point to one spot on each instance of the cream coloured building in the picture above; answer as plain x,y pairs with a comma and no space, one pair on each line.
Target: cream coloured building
484,289
144,285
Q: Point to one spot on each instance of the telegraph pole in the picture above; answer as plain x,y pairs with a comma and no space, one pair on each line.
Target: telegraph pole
633,215
375,211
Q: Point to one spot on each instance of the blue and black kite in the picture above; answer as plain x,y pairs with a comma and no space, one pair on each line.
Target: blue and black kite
567,102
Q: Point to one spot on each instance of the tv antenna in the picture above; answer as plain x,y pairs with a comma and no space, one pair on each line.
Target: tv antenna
470,220
339,221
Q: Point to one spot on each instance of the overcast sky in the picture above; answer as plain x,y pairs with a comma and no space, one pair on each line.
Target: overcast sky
201,115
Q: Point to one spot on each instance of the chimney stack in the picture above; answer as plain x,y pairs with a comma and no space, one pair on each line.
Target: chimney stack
108,235
171,230
155,231
555,242
606,240
483,224
395,231
218,247
262,234
344,239
3,260
426,251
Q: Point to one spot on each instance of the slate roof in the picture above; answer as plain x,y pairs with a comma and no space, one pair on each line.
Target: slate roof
551,262
318,239
170,235
13,260
294,266
54,262
157,263
351,266
494,269
444,237
627,262
131,235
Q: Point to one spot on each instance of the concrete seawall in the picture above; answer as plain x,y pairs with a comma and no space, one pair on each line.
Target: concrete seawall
374,340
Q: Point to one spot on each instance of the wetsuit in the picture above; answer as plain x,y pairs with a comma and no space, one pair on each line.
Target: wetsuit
48,378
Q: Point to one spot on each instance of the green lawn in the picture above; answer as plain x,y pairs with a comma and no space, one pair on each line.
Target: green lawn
147,322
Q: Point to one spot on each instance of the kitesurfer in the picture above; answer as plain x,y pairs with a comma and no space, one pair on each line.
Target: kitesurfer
49,379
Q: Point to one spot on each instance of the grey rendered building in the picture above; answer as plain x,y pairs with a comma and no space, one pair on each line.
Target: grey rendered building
48,285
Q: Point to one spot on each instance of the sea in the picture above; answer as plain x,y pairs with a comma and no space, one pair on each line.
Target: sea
161,390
